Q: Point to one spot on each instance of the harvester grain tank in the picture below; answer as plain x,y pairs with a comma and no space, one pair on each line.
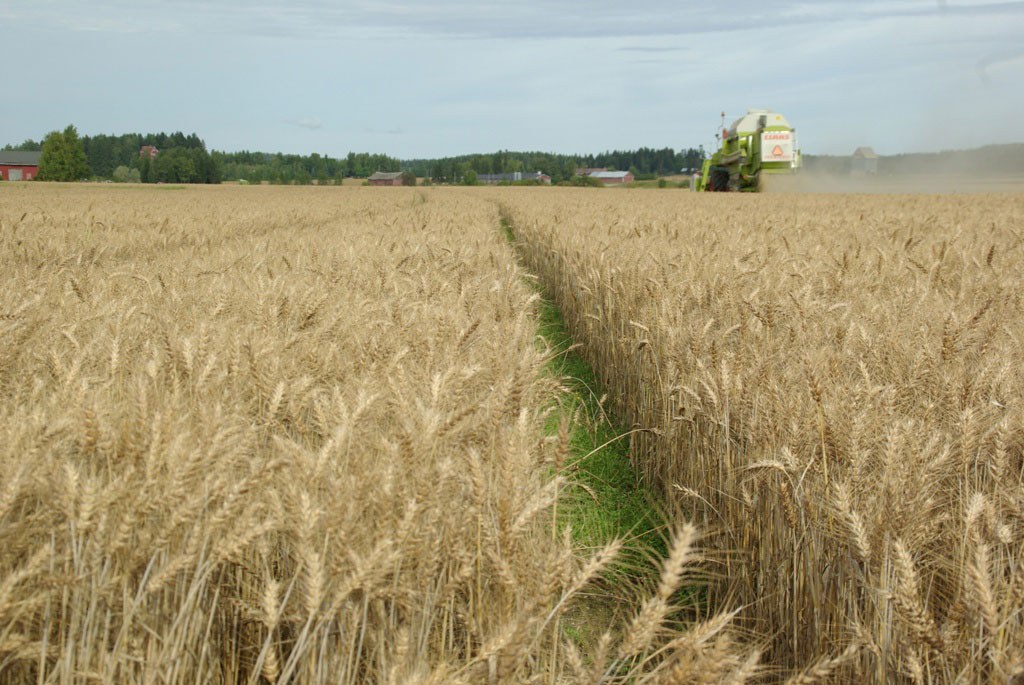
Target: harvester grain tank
759,143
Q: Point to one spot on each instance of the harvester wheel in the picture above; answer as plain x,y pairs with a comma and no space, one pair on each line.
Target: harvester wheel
719,179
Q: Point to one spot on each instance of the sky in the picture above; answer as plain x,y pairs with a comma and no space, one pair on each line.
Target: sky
446,77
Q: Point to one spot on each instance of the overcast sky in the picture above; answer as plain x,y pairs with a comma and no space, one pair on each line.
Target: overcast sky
445,77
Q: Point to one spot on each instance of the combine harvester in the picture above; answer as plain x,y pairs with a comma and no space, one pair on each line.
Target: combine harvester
760,142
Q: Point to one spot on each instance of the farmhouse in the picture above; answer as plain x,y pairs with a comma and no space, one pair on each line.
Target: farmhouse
386,178
864,161
612,178
148,151
514,177
19,166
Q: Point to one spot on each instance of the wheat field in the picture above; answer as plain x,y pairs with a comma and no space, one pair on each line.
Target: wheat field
271,435
831,385
268,435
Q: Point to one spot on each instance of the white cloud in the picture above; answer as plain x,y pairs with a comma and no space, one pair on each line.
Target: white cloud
312,123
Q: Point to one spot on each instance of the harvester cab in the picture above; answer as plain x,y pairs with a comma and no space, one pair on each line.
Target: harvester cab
760,142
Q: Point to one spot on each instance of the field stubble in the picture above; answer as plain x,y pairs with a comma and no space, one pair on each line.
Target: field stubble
832,383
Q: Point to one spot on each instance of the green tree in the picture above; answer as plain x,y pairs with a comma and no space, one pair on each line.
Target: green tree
408,178
28,146
174,165
124,174
63,157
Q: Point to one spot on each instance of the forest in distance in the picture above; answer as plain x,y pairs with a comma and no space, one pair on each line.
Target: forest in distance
186,159
107,153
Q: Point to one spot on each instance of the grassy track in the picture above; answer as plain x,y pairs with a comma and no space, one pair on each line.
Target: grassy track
606,501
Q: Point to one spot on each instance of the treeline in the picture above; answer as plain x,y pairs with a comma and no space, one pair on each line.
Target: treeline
645,160
105,153
258,167
642,162
27,146
185,159
178,165
181,158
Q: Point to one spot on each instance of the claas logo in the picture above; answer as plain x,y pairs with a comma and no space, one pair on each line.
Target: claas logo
777,151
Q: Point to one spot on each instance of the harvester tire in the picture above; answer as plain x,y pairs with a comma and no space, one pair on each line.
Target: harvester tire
719,179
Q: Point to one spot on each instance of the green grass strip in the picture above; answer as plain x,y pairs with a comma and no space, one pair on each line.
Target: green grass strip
604,500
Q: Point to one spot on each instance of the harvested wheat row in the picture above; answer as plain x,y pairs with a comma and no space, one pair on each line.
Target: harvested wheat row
286,435
833,384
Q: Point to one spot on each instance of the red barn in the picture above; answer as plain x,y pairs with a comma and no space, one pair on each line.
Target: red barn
19,166
386,178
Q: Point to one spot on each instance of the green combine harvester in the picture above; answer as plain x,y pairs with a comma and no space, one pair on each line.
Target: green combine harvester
760,142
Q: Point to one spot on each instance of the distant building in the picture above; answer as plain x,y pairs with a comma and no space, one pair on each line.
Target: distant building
612,178
514,177
864,161
386,178
148,151
19,166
